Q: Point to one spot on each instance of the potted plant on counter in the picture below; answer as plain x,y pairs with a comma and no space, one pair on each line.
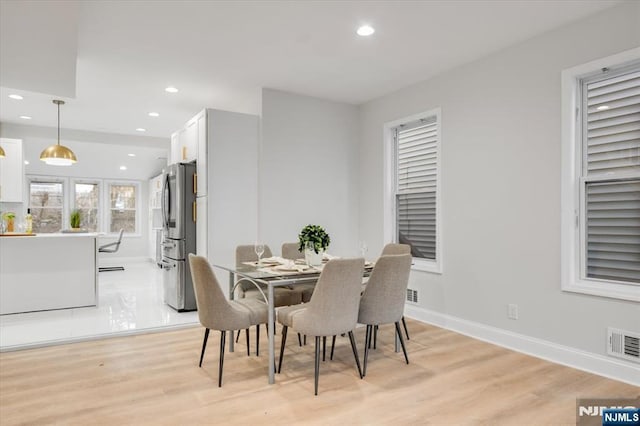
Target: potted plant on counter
75,219
9,219
313,240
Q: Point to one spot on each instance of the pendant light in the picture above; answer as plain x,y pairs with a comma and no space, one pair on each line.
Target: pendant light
58,155
1,152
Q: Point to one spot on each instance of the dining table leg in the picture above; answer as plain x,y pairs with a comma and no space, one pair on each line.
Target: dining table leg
272,335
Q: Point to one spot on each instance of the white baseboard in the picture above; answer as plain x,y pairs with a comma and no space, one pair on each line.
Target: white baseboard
549,351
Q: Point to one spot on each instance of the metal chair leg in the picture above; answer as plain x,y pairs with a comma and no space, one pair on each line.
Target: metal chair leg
258,340
367,344
222,339
324,348
237,336
300,339
406,358
247,333
204,345
317,372
355,352
375,337
404,324
284,339
333,346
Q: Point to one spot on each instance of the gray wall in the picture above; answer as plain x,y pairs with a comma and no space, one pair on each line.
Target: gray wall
501,184
308,170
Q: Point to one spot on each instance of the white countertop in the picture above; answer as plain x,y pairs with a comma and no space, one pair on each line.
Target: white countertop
56,235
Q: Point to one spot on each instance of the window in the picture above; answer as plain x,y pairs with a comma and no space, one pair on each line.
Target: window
87,196
412,150
47,201
122,207
601,192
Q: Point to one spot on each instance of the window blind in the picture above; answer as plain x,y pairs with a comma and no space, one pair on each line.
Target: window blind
417,162
613,124
613,230
611,165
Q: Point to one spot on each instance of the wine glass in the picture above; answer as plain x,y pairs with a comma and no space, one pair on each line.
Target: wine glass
259,249
363,248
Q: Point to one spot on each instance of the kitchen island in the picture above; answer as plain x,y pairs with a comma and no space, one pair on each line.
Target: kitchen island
48,271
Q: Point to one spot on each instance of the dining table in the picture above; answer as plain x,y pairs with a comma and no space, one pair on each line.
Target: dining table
268,274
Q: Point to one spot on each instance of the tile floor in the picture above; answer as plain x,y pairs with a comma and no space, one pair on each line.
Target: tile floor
130,301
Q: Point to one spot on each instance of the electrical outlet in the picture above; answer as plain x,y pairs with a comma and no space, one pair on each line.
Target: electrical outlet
512,312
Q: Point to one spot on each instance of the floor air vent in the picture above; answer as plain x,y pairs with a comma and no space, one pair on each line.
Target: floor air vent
412,295
623,344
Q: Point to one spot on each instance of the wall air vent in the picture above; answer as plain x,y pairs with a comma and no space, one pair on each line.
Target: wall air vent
412,295
623,344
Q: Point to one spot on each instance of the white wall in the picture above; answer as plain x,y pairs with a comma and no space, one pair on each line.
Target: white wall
501,185
308,170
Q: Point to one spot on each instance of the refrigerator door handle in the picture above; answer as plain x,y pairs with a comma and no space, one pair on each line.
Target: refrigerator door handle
166,202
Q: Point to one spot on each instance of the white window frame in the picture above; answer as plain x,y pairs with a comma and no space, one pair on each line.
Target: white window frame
572,213
389,205
72,197
107,207
65,194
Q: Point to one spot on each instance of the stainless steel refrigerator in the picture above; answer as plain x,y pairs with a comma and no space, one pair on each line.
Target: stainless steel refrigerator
178,235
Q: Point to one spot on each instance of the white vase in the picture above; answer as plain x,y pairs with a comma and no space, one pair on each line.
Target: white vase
312,258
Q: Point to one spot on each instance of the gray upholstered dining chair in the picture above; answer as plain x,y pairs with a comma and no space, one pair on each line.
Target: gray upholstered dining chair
290,251
217,313
383,299
393,248
333,308
283,296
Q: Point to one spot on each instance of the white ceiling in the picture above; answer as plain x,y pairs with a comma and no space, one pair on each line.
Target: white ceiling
220,53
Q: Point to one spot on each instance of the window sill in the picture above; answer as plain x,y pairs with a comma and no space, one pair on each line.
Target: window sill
628,292
426,266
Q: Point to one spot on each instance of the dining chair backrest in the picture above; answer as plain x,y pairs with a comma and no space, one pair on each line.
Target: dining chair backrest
247,253
333,308
393,248
290,251
384,297
214,310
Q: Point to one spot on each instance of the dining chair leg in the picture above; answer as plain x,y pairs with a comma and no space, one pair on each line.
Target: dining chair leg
324,348
247,333
204,345
258,340
406,331
284,339
222,339
333,346
237,337
367,344
317,372
304,340
375,337
406,358
355,352
300,339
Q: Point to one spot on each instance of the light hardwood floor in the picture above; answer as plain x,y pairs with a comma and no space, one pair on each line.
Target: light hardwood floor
155,379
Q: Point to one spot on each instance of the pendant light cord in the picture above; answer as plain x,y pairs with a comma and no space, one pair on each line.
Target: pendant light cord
58,124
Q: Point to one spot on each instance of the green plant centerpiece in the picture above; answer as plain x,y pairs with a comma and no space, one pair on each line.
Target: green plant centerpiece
9,218
313,240
75,218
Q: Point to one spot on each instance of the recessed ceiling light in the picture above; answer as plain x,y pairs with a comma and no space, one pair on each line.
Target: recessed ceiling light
25,117
123,167
131,155
171,89
26,162
140,129
154,114
16,97
365,30
602,107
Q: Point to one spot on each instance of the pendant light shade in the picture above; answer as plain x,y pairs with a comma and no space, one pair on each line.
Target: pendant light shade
1,152
58,155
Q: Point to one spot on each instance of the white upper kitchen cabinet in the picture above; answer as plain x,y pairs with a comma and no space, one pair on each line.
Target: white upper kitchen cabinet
184,143
11,171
